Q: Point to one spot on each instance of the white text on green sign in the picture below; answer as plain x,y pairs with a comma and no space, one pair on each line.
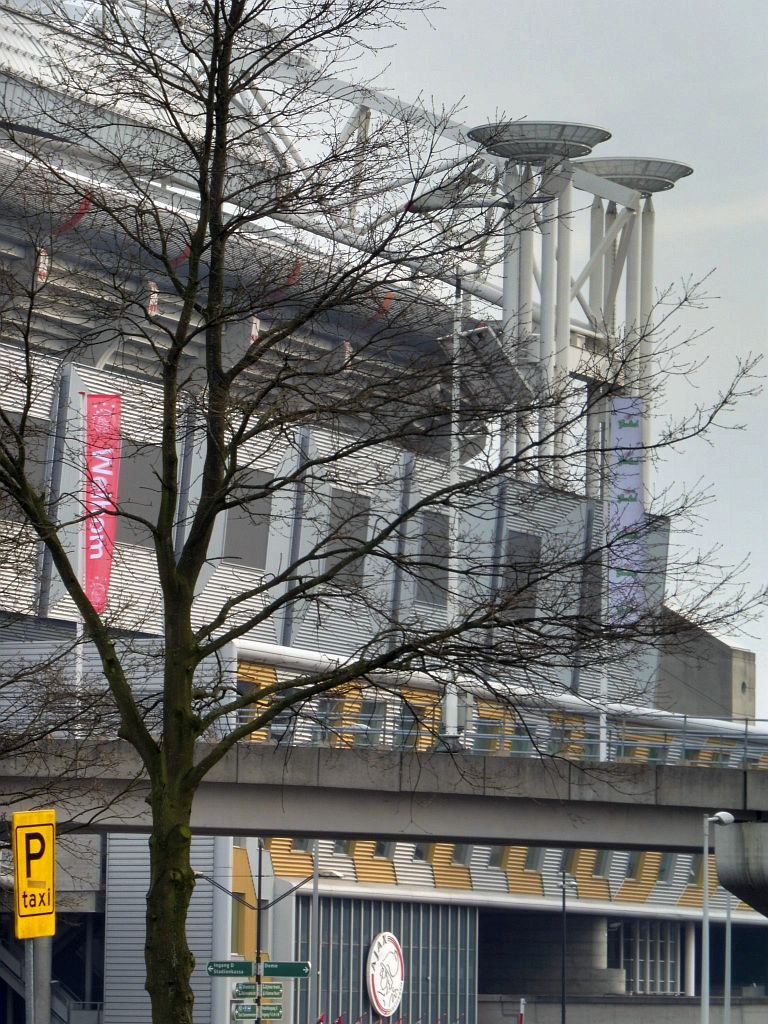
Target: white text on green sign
272,990
285,969
230,969
246,990
245,1011
250,1011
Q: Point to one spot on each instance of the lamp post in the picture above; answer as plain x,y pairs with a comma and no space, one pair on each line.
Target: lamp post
563,947
719,818
728,956
563,944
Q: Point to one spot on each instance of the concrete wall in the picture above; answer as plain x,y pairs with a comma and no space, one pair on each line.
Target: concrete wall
703,676
612,1010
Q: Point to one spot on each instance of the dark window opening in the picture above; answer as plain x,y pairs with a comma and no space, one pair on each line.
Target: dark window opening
498,857
347,532
462,854
247,533
432,568
520,572
139,491
35,441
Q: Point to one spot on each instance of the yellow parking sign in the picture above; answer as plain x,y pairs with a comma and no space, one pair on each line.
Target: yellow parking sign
34,870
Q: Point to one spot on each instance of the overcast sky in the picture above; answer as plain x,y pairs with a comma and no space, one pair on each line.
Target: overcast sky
679,79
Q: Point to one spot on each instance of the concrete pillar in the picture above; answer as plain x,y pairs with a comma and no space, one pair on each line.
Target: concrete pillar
690,959
222,927
600,943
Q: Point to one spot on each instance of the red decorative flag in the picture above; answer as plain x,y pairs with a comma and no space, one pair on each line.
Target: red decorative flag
102,475
321,1019
339,1020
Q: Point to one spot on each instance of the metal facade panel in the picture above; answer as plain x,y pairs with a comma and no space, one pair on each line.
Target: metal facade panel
125,1000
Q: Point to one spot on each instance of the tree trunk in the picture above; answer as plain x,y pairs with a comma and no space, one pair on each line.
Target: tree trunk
166,953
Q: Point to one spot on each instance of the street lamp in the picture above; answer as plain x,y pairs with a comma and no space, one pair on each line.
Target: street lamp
262,905
719,818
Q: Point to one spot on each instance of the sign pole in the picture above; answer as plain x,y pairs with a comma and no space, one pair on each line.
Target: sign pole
29,981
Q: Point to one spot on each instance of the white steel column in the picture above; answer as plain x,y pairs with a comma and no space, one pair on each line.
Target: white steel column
525,226
510,296
646,327
609,307
562,318
547,336
596,233
632,368
594,468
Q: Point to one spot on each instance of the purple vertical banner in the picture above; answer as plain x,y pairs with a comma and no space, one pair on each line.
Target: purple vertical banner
626,518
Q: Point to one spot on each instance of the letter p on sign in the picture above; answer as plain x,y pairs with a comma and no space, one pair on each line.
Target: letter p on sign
34,871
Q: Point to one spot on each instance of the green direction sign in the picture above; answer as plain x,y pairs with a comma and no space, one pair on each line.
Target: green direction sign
271,990
230,969
245,1011
286,969
246,990
250,1011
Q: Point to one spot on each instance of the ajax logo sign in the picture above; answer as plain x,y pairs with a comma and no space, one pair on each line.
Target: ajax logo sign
34,868
385,974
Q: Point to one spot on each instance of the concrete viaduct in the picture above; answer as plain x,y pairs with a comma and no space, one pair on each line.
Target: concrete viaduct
321,791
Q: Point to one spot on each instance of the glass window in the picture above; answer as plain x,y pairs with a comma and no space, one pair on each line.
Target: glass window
568,861
487,737
667,867
302,845
519,576
326,715
534,858
341,847
285,724
432,568
367,729
462,854
498,857
633,864
247,532
695,870
384,849
603,863
348,529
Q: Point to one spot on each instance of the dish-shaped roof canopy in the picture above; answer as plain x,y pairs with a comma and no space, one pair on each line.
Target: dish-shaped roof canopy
643,174
535,142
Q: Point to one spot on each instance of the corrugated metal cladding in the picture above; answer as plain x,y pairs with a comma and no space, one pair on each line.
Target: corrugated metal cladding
127,878
439,944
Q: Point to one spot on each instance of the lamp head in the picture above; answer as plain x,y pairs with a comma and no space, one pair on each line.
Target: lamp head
723,818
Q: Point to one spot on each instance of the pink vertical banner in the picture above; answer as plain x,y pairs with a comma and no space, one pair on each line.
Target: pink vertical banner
102,475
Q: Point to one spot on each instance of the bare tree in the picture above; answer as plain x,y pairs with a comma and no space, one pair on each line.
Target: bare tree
327,431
